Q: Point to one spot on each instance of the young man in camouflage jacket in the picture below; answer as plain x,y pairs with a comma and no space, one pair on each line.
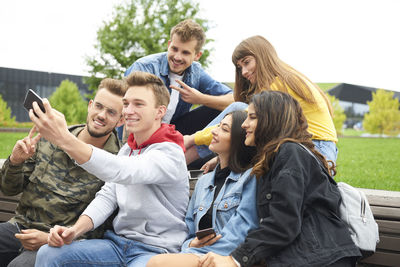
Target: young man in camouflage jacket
54,189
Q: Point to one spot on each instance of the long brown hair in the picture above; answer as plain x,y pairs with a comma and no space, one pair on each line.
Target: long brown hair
280,119
268,68
240,155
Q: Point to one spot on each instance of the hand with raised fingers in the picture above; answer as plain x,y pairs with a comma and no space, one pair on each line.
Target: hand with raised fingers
25,148
188,94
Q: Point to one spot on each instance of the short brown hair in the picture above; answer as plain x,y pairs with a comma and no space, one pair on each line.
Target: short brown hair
151,81
114,86
189,30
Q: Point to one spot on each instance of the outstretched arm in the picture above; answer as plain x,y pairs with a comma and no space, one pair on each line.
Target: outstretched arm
53,127
194,96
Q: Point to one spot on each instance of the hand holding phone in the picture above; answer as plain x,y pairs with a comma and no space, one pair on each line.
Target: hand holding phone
31,97
205,232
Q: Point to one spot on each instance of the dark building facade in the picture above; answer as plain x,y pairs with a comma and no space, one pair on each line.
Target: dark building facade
14,83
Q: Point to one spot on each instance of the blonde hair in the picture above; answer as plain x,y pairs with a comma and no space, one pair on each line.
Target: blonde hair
114,86
151,81
268,68
188,30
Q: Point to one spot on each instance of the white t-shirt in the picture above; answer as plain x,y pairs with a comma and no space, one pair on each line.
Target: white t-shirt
174,98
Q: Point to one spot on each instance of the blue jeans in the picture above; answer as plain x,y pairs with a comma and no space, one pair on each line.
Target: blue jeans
326,148
203,150
113,250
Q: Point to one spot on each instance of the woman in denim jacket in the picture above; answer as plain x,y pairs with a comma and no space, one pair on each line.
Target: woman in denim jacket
297,205
224,199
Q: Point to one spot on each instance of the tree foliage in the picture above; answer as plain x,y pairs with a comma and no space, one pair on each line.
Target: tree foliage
68,100
5,114
338,114
138,28
384,114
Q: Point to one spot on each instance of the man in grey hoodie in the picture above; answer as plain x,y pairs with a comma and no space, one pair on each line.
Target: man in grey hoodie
147,181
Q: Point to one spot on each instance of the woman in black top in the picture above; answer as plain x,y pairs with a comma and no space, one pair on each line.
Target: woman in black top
294,195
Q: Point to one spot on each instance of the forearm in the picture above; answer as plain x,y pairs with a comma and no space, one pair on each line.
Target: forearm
76,149
217,102
83,224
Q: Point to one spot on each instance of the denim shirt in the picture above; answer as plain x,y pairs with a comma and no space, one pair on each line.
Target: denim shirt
234,211
194,76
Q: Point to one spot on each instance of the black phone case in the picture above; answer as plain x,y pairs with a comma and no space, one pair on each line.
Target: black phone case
30,98
205,232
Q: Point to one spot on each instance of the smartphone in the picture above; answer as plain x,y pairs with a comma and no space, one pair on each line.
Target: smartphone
18,227
205,232
31,97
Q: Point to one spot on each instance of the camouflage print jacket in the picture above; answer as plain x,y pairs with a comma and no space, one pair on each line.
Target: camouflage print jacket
54,189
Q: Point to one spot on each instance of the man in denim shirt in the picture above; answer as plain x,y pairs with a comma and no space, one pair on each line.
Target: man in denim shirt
186,80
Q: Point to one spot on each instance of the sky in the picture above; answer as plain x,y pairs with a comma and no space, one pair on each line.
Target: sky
331,41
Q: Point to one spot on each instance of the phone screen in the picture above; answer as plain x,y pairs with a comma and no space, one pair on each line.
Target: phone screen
31,97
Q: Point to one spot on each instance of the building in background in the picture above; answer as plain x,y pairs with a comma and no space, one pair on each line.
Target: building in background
14,83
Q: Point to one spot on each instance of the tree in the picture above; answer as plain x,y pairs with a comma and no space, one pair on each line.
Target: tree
5,114
384,114
338,114
68,100
138,28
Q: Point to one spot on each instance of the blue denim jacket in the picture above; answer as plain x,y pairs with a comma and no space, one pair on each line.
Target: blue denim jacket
194,77
234,211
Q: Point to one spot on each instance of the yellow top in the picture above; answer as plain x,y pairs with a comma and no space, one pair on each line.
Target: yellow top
320,123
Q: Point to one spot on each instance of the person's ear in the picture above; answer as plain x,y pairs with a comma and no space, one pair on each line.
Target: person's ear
198,55
90,103
161,112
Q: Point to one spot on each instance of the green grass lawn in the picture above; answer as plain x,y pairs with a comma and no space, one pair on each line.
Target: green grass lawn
369,162
7,142
362,162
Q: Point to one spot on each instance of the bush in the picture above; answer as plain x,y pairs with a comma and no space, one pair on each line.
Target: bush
5,114
384,114
68,100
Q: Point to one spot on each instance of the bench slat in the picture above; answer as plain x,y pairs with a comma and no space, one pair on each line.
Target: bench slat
389,227
389,243
7,206
383,258
386,213
5,216
10,198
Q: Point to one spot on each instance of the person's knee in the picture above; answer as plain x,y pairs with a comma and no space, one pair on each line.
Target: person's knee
155,261
26,259
47,256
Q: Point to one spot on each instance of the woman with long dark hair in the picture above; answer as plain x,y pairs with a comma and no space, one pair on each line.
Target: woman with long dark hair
297,205
223,199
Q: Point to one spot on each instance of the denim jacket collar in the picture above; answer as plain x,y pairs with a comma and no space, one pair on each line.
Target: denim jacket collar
232,176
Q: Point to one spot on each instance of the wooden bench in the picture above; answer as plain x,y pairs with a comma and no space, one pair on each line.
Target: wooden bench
7,206
384,204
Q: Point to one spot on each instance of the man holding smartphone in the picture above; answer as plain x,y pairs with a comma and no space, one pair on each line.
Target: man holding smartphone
54,189
147,182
